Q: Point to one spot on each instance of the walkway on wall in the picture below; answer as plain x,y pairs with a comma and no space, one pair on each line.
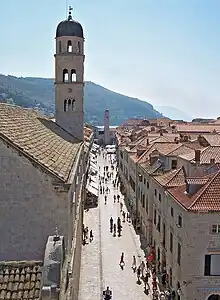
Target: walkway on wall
100,258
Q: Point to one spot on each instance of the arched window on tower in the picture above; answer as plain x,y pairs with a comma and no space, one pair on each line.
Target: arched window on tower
79,47
73,75
73,105
65,107
65,75
69,104
69,46
59,47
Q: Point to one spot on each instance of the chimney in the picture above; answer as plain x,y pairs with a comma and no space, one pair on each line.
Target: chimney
212,161
197,156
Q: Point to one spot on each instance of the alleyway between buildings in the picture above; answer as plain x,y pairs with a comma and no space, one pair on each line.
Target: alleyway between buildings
100,258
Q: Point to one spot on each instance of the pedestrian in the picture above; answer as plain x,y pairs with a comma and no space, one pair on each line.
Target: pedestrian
146,286
138,273
122,263
142,267
121,206
134,266
123,215
90,236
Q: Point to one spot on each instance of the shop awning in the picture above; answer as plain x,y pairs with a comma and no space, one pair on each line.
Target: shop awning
94,166
92,190
93,180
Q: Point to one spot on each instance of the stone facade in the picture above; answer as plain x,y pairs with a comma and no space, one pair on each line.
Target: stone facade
69,84
180,231
31,208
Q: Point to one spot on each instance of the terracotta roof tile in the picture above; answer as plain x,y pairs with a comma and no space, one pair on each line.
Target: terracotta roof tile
182,150
171,178
38,137
212,139
211,152
207,198
20,279
199,128
151,169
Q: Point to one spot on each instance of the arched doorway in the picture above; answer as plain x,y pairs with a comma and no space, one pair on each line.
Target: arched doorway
214,297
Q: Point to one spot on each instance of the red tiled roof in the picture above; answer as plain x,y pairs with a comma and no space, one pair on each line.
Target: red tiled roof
171,178
211,152
212,139
207,198
197,128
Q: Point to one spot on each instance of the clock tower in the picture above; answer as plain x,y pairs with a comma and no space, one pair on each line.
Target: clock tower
69,77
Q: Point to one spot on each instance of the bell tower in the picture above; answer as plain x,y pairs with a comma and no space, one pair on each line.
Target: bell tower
69,77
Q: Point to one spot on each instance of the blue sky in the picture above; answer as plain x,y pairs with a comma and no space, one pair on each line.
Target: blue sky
164,51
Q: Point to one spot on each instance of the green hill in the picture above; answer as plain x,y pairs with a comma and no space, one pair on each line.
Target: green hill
39,93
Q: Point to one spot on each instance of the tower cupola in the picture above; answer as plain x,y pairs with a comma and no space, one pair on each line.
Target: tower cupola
69,27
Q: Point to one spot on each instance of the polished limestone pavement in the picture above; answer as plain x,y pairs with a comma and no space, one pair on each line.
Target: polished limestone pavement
100,258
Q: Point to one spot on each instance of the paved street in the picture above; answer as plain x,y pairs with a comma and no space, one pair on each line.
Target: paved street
101,257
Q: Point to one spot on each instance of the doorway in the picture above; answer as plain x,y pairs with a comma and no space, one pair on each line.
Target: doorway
214,297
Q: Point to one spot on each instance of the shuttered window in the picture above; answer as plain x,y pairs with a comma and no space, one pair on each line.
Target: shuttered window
207,265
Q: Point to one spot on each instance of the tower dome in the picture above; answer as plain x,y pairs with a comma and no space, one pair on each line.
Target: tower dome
69,27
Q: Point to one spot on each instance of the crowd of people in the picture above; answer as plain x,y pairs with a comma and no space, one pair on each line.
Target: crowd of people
109,187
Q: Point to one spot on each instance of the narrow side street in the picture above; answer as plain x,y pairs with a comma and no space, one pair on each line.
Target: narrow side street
101,258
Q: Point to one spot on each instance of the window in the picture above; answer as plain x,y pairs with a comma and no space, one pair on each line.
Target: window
178,254
212,265
155,217
146,204
159,197
65,107
148,185
143,201
65,75
60,47
171,242
216,228
155,193
79,47
171,211
164,235
69,46
144,180
73,75
73,104
158,223
69,104
174,164
170,277
180,221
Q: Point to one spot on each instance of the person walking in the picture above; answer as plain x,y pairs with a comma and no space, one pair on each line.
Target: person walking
138,273
122,263
90,236
134,265
142,267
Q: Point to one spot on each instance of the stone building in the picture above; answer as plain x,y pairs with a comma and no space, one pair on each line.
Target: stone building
176,188
42,179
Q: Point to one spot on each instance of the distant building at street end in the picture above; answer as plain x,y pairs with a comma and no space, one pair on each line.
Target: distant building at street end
106,127
99,134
